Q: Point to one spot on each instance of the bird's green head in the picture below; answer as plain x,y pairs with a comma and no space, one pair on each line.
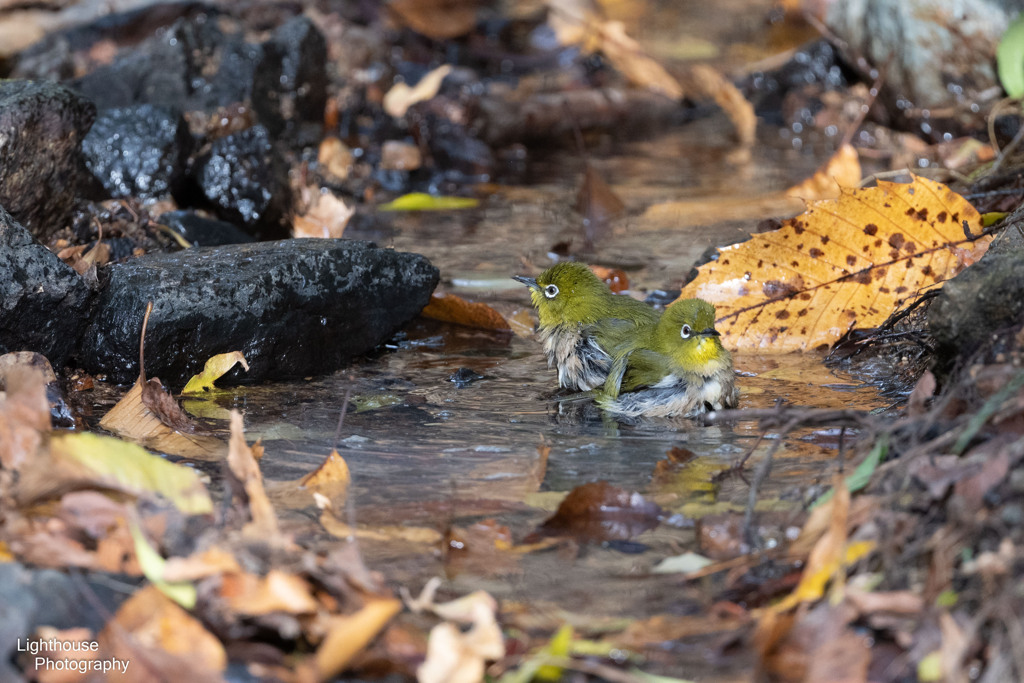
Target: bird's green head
568,292
686,333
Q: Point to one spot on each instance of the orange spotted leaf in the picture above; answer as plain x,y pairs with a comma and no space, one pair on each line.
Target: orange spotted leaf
843,263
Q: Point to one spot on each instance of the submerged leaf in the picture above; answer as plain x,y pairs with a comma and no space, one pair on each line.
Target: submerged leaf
843,263
450,308
215,368
602,512
127,467
421,201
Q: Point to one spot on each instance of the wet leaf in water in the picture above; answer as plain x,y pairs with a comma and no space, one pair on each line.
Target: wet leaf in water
598,205
421,201
451,308
331,479
841,264
841,170
215,368
663,628
599,511
615,278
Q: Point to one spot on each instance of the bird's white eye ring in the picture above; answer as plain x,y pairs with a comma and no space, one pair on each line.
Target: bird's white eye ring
685,332
551,291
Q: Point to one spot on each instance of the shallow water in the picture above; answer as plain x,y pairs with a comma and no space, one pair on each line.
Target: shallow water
427,453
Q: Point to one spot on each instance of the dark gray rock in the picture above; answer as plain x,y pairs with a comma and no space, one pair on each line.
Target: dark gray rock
157,72
203,232
244,180
982,303
30,598
41,168
43,302
294,308
138,151
290,86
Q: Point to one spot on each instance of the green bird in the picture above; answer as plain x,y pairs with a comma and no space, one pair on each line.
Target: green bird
677,369
571,301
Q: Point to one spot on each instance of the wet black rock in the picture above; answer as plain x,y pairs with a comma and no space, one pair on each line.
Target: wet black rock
203,232
244,180
138,151
157,72
983,306
41,167
294,308
43,302
290,86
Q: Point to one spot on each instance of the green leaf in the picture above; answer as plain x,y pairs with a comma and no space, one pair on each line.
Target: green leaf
947,598
421,201
130,468
860,477
992,405
1010,59
182,592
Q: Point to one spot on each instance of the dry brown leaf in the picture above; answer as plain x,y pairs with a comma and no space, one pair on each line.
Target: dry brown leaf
841,170
402,96
335,158
149,415
331,479
349,635
161,641
454,656
437,19
841,264
211,562
276,592
326,217
24,416
244,465
710,83
450,308
576,23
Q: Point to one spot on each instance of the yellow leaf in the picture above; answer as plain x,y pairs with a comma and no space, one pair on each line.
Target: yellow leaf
331,479
841,264
421,201
182,592
127,467
214,369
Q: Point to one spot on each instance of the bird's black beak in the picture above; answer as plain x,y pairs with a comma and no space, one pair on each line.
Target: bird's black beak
710,332
528,281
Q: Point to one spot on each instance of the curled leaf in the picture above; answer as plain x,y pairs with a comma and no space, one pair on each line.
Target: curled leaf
215,368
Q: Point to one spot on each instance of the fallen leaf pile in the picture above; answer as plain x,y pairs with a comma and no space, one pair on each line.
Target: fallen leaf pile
842,264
